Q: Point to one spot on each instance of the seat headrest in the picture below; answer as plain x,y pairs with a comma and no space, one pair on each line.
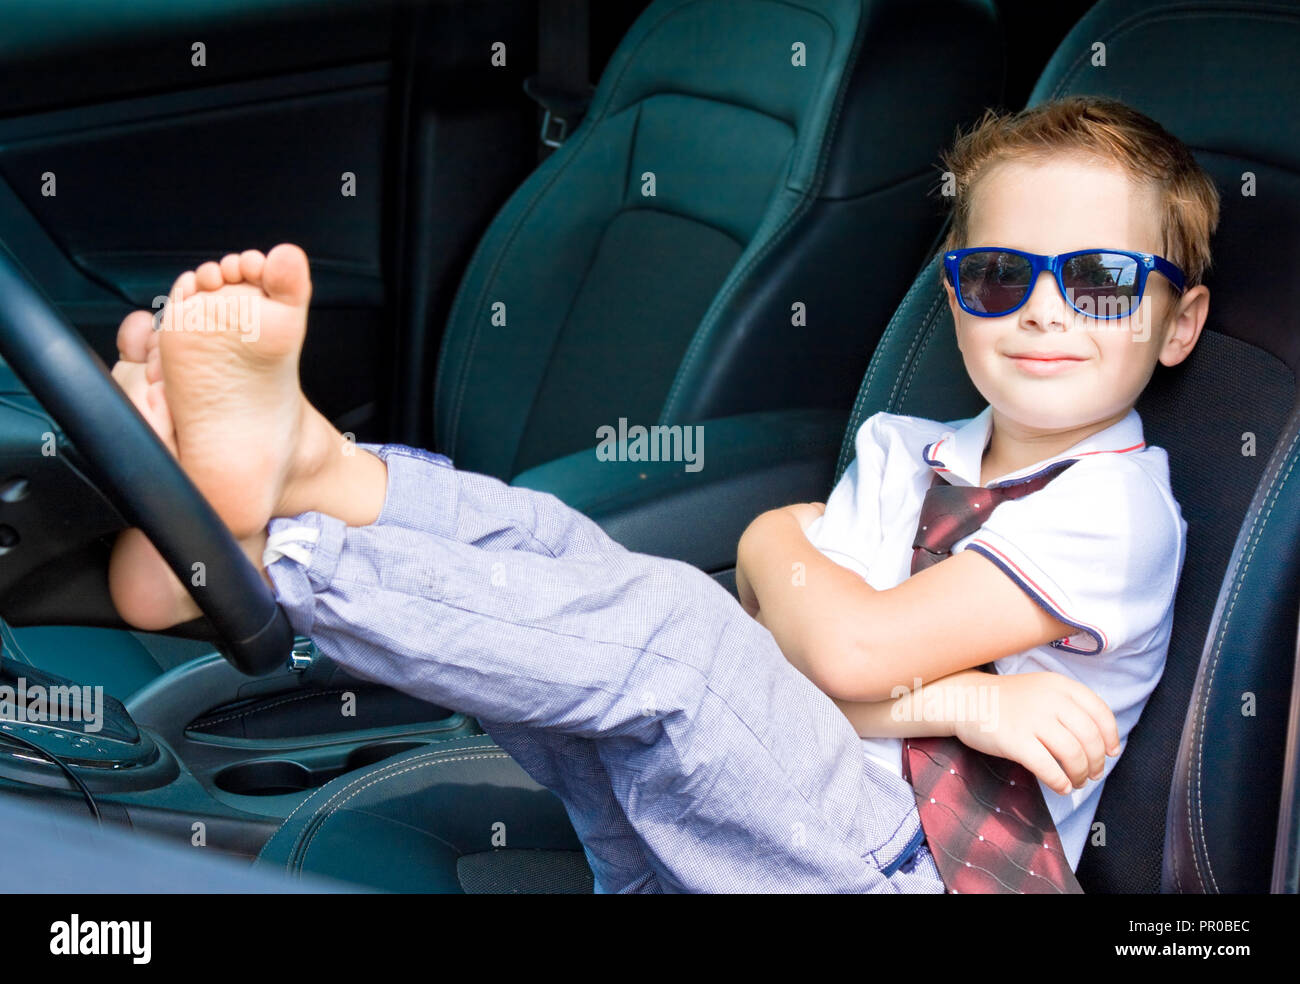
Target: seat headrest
858,56
1222,77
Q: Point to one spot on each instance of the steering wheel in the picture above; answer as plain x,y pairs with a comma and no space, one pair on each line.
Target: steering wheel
139,475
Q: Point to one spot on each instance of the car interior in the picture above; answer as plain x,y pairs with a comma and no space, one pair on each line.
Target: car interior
725,245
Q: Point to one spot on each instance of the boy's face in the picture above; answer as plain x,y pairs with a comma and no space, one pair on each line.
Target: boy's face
1057,206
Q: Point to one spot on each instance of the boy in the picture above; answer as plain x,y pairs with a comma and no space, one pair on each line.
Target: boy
694,747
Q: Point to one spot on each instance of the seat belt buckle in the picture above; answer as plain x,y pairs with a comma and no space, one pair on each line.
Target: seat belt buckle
560,108
558,123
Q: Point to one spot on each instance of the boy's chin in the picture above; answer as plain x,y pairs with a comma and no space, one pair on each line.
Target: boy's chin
1030,411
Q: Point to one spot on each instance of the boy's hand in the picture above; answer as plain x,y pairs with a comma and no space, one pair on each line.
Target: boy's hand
1054,726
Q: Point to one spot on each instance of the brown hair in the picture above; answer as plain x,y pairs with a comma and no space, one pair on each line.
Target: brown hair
1103,130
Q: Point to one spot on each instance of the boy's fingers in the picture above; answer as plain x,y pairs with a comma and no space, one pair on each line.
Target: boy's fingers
1040,761
1098,710
1068,752
1086,730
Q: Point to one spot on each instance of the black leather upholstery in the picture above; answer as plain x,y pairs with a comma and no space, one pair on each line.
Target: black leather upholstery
415,822
751,462
774,184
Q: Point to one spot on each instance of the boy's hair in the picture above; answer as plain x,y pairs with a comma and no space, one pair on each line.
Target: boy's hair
1102,130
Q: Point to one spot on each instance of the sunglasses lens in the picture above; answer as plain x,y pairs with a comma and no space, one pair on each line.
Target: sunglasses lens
1103,285
992,281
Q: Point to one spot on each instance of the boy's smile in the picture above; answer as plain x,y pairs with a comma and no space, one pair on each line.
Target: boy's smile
1054,376
1046,363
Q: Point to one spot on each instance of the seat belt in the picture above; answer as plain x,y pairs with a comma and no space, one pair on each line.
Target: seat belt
562,86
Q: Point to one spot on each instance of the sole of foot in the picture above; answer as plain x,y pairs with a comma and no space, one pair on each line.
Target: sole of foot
229,344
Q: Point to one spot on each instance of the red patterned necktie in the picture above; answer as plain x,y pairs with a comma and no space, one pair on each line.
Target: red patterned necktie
985,819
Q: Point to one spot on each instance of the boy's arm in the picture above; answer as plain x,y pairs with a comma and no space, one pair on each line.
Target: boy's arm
1054,726
904,715
858,644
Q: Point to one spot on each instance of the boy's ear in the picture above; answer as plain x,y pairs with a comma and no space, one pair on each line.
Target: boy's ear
1186,323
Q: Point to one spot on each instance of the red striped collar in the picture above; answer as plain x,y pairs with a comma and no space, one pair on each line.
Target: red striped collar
958,453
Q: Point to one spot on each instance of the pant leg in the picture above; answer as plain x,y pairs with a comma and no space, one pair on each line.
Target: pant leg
734,770
481,510
490,514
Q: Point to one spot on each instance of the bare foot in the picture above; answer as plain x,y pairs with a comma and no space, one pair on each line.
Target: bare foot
220,380
144,590
230,341
139,372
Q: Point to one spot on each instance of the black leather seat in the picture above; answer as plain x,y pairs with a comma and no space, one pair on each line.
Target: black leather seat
456,816
774,184
1192,806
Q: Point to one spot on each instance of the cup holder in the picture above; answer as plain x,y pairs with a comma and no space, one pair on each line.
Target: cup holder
377,752
277,777
266,778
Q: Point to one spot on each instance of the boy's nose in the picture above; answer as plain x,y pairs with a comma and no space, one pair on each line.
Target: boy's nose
1046,307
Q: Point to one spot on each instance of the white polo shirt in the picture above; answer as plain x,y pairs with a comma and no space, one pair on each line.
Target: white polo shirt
1100,547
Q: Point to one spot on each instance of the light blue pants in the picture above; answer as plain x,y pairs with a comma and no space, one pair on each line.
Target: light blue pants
688,753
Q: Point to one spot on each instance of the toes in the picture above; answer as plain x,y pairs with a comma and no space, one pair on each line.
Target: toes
251,262
185,286
208,276
286,276
153,364
128,376
133,336
230,268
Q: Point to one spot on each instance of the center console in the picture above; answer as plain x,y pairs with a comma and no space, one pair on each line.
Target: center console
202,753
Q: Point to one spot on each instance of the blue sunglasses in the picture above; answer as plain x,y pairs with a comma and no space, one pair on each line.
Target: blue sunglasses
1101,283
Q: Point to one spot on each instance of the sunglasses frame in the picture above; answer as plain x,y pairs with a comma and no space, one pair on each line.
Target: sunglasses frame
1146,264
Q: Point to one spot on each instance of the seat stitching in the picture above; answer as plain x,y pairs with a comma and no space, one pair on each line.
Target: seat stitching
891,329
705,97
684,216
316,794
362,812
1243,566
296,848
909,356
923,338
249,711
320,819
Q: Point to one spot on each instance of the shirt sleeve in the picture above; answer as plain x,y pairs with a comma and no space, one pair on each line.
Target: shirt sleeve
849,531
1100,548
